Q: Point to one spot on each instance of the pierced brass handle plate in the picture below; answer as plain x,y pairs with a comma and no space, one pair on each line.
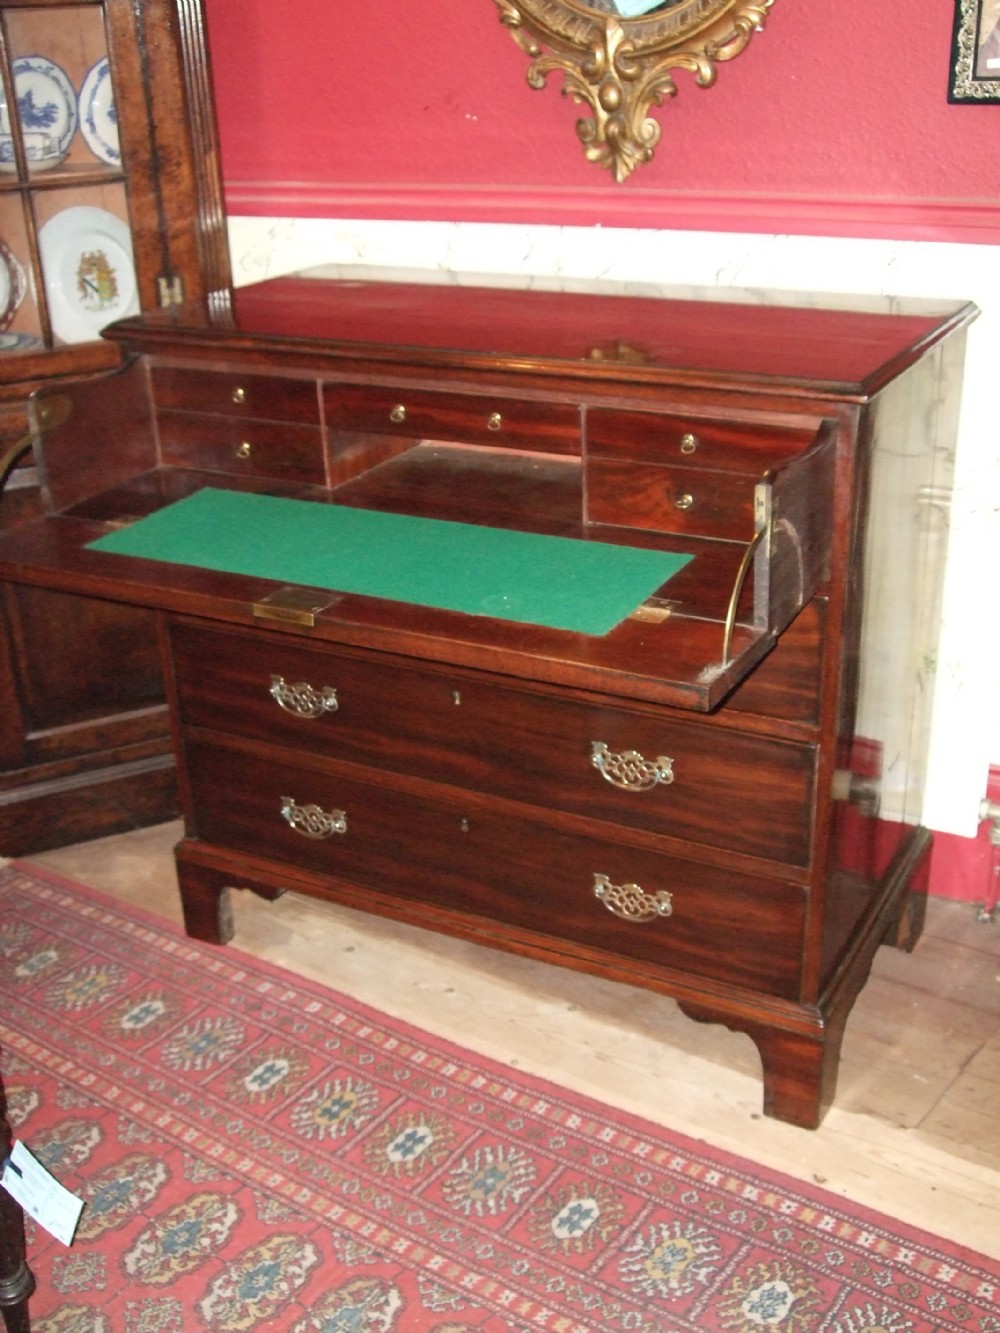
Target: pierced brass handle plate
312,821
629,771
632,903
301,699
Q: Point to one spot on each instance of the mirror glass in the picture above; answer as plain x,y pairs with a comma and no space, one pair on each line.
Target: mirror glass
632,8
628,9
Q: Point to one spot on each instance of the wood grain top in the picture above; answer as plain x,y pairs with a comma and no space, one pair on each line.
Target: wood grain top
828,352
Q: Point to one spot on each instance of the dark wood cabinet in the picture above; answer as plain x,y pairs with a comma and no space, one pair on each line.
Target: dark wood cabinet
110,202
706,796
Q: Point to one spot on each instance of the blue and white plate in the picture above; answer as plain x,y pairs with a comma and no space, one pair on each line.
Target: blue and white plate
46,102
20,342
98,119
41,151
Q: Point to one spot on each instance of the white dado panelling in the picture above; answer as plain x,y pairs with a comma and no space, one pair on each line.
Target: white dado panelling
964,679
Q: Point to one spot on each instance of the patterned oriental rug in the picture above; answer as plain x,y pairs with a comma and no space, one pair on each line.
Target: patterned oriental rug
257,1152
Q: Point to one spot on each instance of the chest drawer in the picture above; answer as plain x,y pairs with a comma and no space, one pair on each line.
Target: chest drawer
416,414
233,394
519,873
646,770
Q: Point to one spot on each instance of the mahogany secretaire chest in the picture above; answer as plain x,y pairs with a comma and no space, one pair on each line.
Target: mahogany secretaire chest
580,625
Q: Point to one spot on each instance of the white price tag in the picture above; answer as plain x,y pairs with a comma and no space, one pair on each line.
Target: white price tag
40,1194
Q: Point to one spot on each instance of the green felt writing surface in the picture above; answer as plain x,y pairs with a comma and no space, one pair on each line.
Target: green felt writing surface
559,582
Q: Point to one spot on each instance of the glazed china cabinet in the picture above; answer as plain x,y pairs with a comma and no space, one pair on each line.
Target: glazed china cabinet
110,202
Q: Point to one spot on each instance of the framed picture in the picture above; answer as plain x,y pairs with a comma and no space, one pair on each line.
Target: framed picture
975,52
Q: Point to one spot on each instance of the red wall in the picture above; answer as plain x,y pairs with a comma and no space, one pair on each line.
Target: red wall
834,121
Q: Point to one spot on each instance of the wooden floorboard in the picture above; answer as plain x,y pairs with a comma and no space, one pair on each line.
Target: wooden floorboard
914,1131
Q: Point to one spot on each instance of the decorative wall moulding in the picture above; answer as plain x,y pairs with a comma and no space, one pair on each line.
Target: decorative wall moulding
618,57
636,209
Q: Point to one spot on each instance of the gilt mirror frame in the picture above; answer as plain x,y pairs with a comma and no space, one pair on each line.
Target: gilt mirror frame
621,67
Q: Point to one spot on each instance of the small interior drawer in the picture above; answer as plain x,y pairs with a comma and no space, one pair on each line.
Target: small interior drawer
418,414
782,515
233,394
686,500
679,475
653,437
247,448
463,856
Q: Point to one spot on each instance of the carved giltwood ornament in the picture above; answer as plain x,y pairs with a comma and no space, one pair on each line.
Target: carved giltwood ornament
620,68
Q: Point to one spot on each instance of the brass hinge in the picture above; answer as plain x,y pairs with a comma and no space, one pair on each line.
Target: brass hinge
170,289
295,605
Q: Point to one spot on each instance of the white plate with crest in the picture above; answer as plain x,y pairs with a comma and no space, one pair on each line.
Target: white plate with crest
98,118
12,284
46,102
89,272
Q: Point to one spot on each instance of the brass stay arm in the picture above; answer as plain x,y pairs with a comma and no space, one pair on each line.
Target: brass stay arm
734,596
49,414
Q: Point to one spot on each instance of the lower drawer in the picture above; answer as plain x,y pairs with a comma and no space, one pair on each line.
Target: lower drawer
655,772
590,891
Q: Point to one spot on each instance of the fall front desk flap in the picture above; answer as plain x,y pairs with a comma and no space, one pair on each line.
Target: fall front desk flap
558,582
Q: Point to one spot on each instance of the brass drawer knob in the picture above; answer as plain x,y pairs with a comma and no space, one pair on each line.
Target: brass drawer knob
684,501
239,395
301,699
689,443
495,421
244,449
629,770
398,413
310,820
630,902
